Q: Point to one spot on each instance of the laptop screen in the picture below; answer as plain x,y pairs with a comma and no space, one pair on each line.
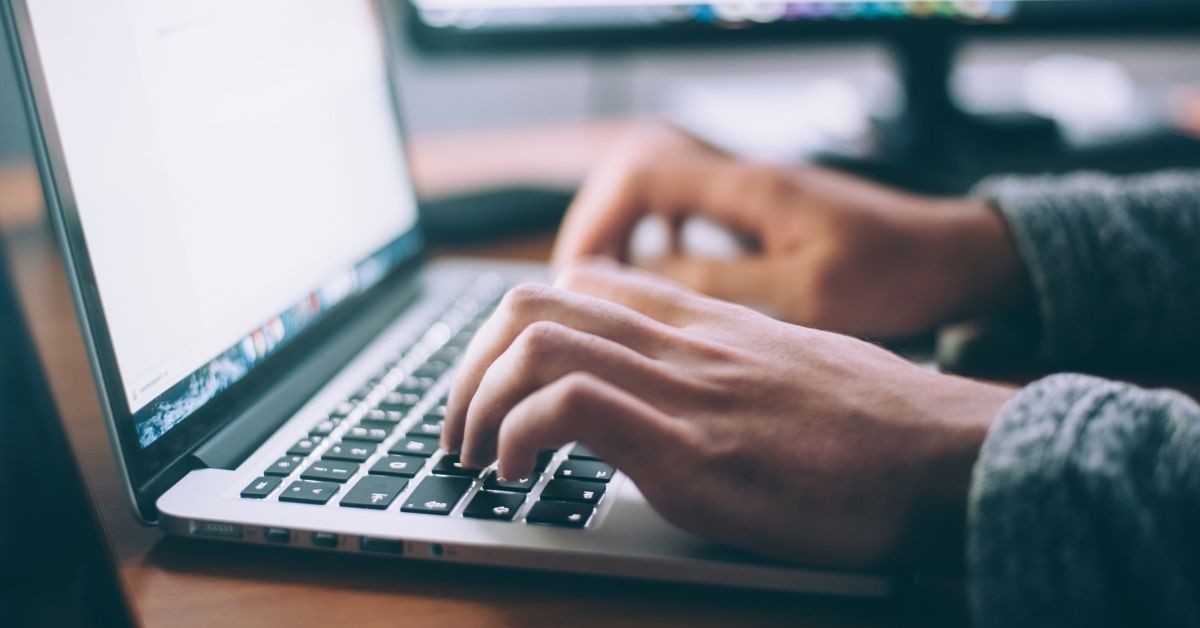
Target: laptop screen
237,169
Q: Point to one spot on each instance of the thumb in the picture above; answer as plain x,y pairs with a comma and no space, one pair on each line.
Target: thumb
749,280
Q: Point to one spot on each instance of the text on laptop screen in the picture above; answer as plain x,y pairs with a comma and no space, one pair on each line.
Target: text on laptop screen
237,171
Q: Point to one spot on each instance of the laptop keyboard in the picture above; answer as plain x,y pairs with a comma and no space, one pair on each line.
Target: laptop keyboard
378,449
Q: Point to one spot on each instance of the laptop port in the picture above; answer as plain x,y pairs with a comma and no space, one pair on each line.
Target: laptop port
382,546
277,535
327,540
216,529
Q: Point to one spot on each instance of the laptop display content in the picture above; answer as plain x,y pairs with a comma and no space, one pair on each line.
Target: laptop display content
199,283
230,183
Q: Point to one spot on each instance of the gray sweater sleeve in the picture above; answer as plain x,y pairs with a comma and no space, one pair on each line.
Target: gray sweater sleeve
1085,508
1114,262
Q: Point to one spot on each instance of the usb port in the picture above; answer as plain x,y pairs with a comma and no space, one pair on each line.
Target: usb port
382,546
277,535
324,539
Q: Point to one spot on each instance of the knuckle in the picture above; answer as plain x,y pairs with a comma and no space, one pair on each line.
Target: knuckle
540,340
574,393
524,298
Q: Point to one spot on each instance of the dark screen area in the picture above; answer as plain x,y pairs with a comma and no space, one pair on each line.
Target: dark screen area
475,27
57,570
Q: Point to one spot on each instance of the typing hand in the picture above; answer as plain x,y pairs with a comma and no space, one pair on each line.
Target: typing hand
796,443
828,250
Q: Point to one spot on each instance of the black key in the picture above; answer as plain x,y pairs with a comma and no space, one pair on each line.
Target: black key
324,428
460,340
385,416
398,466
343,410
330,470
399,402
448,354
450,465
579,452
560,514
543,459
365,391
284,466
428,427
488,505
305,446
306,492
351,451
415,386
369,434
260,488
437,495
584,470
523,485
374,491
383,425
415,446
573,491
431,369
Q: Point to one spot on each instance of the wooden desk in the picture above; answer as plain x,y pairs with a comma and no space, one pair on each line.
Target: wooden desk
179,583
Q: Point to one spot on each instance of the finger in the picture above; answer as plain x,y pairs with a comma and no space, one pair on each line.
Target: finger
613,200
527,304
624,430
747,280
638,290
543,353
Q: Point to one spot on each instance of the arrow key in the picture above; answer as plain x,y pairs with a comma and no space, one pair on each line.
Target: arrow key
560,514
374,491
573,491
588,470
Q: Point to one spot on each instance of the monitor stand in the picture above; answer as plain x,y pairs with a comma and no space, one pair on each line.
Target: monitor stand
933,145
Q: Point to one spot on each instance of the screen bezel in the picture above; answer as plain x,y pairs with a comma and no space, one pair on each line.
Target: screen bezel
1040,18
148,471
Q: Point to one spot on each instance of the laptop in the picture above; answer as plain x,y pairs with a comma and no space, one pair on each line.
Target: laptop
272,349
58,568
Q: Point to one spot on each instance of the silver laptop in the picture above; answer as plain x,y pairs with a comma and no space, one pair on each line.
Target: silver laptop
272,353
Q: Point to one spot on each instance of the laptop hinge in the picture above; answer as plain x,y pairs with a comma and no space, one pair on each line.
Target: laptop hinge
232,444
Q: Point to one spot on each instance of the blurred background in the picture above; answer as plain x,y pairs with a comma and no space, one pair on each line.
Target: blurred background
1110,84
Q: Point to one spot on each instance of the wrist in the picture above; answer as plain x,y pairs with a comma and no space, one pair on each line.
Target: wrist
961,411
983,272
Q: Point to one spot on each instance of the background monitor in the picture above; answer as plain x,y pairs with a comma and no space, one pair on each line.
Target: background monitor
465,25
930,144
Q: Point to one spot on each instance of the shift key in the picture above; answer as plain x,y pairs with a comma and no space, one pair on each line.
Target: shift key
437,495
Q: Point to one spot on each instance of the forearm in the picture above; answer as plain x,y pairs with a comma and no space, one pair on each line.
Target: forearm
1084,508
1114,263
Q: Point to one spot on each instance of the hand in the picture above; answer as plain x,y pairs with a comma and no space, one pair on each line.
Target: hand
828,250
796,443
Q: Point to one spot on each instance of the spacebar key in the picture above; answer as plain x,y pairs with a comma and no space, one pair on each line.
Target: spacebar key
437,495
